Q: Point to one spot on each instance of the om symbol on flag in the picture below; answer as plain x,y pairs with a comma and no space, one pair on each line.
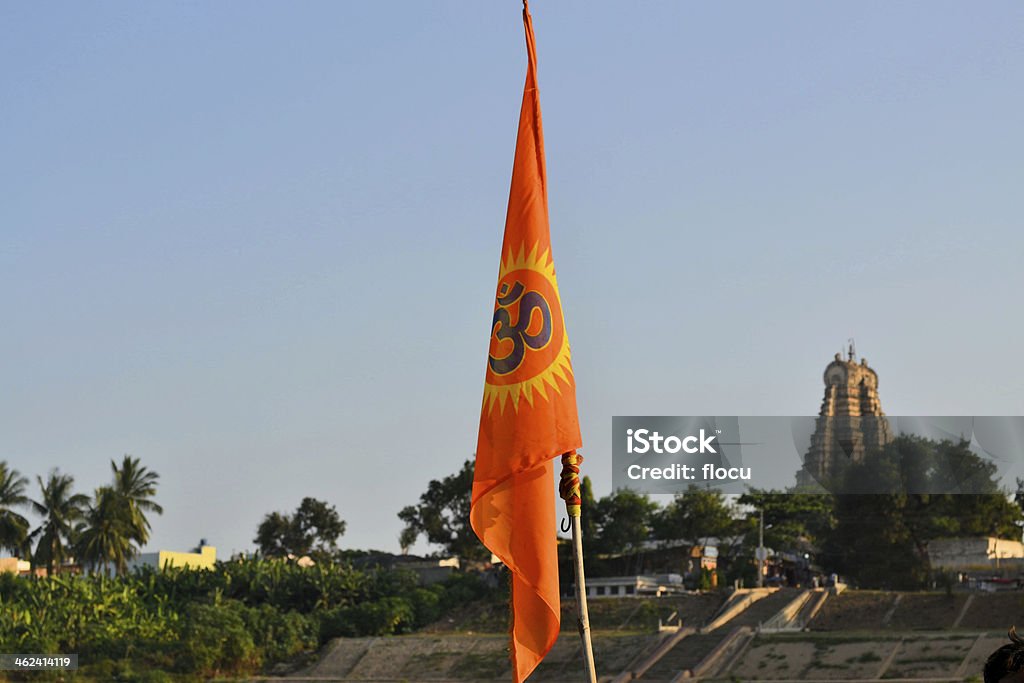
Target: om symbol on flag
529,349
534,314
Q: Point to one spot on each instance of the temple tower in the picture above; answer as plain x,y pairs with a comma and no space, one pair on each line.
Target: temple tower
850,421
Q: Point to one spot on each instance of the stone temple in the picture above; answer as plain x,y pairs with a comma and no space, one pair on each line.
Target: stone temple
850,422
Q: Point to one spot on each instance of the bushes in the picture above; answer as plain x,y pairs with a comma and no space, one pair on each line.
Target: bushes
426,605
383,617
213,640
280,635
404,608
238,618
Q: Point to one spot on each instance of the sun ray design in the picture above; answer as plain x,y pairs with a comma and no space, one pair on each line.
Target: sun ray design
549,368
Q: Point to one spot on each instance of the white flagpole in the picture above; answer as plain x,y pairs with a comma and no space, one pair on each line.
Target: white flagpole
569,488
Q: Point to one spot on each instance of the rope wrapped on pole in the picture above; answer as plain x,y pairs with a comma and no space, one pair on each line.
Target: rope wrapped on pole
569,484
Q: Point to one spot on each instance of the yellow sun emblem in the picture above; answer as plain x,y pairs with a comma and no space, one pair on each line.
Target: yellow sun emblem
529,350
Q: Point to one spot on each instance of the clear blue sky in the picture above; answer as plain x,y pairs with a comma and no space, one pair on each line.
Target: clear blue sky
255,244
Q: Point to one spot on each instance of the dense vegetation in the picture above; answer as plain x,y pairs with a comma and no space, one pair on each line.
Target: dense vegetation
239,618
876,539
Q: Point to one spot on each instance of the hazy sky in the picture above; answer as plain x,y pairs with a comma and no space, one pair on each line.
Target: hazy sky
255,244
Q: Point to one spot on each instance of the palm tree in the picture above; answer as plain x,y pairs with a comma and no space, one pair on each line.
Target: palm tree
136,486
13,527
103,538
60,509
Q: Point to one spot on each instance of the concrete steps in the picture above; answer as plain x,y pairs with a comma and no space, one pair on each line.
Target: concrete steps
701,651
683,657
763,610
798,614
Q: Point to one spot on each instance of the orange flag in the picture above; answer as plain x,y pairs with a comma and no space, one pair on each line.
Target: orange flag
529,408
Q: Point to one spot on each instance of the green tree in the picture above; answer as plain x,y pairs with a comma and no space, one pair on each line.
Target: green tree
13,526
406,539
623,520
274,535
61,510
588,510
588,526
694,515
104,536
442,515
793,521
314,529
881,539
317,527
133,489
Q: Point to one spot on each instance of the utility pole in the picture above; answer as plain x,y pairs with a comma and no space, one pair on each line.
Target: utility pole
760,552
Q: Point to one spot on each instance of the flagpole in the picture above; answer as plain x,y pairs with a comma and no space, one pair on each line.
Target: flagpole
569,488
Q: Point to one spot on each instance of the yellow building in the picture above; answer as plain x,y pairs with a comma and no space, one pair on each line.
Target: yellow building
13,565
204,559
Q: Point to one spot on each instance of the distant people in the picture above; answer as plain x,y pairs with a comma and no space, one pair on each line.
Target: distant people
1006,665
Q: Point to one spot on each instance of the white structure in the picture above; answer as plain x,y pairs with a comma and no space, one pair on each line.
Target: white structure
961,554
431,571
631,586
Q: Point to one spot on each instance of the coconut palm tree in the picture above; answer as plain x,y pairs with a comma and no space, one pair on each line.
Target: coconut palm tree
136,486
60,510
13,527
103,538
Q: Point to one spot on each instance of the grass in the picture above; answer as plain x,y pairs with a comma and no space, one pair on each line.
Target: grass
482,666
865,658
936,659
